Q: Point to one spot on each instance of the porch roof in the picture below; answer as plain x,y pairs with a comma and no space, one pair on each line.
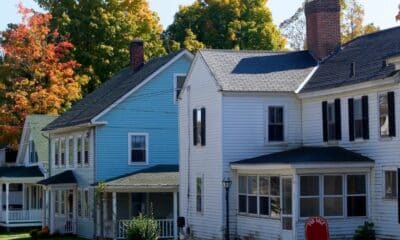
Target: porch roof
152,178
66,177
308,156
20,172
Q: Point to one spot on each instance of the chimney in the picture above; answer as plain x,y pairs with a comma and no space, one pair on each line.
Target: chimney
323,27
136,52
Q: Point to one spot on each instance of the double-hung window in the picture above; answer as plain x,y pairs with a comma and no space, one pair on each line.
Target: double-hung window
356,195
331,122
309,196
62,150
57,202
275,124
199,194
56,152
390,184
62,201
333,195
86,148
178,84
71,151
138,144
259,195
86,203
79,199
199,126
79,150
32,152
387,114
358,119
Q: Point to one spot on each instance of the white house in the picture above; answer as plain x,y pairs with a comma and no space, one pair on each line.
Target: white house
300,134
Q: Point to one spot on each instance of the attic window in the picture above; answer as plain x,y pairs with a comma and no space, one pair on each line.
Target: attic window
353,69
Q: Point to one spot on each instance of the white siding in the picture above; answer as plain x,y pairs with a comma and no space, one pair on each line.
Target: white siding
385,152
205,161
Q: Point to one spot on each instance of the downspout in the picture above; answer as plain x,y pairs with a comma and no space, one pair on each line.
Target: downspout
188,160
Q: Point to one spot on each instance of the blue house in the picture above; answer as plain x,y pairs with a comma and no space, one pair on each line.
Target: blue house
120,141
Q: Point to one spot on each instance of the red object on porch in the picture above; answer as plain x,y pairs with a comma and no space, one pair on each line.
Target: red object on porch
316,228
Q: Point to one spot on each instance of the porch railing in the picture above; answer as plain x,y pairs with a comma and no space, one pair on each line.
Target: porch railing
165,226
33,215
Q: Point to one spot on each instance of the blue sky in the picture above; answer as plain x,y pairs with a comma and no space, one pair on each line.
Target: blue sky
381,12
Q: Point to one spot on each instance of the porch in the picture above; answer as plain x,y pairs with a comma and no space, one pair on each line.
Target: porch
153,191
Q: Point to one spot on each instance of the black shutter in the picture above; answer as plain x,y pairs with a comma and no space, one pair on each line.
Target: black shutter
203,127
392,115
398,194
365,116
351,119
338,120
195,127
325,120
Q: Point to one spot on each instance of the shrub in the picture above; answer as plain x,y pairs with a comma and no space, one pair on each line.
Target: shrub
34,233
143,228
365,232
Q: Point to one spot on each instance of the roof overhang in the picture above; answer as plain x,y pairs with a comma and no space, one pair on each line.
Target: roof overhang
33,180
298,166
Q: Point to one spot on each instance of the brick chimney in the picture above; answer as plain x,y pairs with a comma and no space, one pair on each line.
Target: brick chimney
136,51
323,27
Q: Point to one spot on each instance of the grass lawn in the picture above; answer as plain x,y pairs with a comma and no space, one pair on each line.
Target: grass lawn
25,236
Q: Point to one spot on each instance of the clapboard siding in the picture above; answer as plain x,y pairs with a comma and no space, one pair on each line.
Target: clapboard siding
152,110
385,152
205,161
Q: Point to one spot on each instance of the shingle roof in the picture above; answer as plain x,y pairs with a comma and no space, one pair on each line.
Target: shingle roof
36,124
258,71
109,92
66,177
20,172
308,155
158,176
368,52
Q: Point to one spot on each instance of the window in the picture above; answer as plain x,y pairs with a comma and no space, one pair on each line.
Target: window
71,151
199,194
32,152
391,184
86,150
57,202
79,150
333,196
358,119
309,196
56,152
86,203
62,147
356,196
199,126
275,124
138,148
79,198
331,122
384,115
62,200
259,195
179,81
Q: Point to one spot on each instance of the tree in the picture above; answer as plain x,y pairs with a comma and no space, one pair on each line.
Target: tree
37,74
352,19
229,24
101,31
191,43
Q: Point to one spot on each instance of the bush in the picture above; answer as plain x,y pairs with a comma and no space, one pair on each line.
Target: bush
34,233
365,232
143,228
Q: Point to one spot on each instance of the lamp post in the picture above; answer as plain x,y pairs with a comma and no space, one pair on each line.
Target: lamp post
226,183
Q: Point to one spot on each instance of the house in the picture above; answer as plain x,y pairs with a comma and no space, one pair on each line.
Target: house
299,134
21,199
114,154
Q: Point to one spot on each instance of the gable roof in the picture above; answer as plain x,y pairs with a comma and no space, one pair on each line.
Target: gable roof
368,52
66,177
308,155
108,93
258,71
35,123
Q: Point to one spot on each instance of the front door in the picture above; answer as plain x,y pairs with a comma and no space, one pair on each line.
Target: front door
286,216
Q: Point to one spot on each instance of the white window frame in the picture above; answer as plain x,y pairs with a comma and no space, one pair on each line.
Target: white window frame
342,196
176,75
384,170
146,135
319,196
283,123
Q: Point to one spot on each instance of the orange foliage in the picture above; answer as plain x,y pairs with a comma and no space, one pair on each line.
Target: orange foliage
37,74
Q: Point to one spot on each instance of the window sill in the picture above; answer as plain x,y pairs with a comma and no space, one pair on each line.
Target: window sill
359,140
304,219
385,139
332,142
258,216
276,143
138,163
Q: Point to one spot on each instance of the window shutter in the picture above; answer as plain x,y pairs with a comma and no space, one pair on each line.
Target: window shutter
195,127
325,120
398,194
365,115
392,115
338,120
351,119
203,127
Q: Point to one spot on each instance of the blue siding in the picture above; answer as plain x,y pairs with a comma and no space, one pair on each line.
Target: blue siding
151,109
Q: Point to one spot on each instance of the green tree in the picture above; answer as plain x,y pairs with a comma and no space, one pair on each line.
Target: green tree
101,31
191,43
229,24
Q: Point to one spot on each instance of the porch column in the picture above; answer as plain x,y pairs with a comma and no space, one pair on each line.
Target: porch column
114,214
7,195
175,209
75,209
104,213
23,197
43,192
52,209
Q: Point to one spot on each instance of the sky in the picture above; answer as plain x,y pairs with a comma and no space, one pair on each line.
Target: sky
380,12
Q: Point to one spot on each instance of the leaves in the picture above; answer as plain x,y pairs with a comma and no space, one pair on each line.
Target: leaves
37,74
229,24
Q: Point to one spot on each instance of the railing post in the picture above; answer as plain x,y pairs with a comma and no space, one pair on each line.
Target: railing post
7,195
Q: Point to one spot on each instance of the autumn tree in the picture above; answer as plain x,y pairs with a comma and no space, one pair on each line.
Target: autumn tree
101,31
294,29
37,74
229,24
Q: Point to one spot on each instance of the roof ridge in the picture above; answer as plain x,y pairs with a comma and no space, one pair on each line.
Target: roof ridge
370,34
248,51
